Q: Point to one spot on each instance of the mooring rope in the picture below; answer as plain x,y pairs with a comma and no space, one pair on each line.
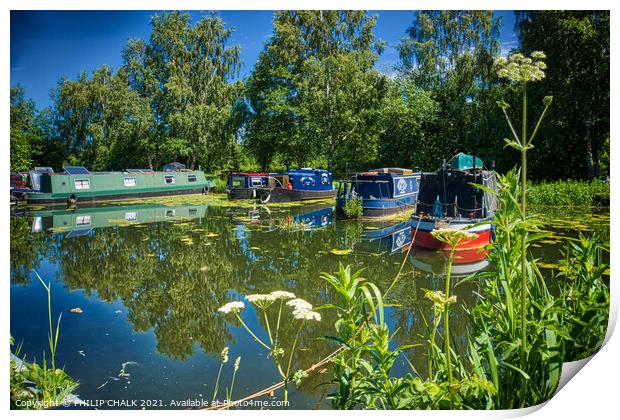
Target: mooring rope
270,389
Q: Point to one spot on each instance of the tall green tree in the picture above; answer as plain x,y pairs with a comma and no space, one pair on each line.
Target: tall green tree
314,94
101,122
26,137
577,48
451,53
410,122
185,73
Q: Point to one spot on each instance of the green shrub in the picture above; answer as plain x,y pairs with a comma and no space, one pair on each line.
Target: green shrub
569,193
353,207
220,185
584,295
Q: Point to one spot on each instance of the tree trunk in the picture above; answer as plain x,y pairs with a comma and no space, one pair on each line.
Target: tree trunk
589,157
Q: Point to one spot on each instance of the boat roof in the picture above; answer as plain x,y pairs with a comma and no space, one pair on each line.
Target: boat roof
305,171
397,171
386,171
250,173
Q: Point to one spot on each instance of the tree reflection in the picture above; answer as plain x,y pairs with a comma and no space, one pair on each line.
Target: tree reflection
173,276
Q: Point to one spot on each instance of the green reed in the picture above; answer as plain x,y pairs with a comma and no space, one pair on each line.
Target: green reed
523,375
584,294
45,386
361,374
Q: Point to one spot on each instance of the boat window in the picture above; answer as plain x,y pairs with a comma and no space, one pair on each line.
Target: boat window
82,220
256,182
130,181
193,212
131,216
238,182
191,178
82,184
170,212
169,179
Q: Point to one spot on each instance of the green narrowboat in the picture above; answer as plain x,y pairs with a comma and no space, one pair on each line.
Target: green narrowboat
83,220
77,185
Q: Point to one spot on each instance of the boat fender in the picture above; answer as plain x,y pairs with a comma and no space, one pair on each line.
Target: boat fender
264,198
71,200
253,193
205,190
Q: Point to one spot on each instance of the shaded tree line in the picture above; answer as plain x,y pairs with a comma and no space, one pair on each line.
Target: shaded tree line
314,97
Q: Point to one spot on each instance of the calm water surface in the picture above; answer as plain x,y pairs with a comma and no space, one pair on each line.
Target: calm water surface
149,279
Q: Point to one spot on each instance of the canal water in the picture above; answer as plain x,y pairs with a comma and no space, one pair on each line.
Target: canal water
139,286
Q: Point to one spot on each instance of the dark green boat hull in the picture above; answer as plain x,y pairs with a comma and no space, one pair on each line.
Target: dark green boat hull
33,200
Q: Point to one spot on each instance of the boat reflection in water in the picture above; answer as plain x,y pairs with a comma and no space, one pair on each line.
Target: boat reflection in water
390,239
436,262
397,237
315,219
83,220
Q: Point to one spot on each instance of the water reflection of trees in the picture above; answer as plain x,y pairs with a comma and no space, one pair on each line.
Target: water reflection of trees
26,250
173,277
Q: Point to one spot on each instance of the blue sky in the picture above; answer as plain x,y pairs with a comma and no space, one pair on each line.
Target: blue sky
49,45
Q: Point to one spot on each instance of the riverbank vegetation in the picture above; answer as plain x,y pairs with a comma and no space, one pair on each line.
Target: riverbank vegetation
40,386
519,332
315,97
572,193
494,371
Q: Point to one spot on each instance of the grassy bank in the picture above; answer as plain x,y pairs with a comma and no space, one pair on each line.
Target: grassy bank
569,193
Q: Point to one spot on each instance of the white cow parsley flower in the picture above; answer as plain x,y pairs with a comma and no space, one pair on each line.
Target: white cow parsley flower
234,307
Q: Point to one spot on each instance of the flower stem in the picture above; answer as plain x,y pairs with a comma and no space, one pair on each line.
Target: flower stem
524,241
217,382
251,333
446,327
278,322
268,327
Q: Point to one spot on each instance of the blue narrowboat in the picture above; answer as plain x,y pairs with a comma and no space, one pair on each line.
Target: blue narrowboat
297,185
292,185
245,185
384,191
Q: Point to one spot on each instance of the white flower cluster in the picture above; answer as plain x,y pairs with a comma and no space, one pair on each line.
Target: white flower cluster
260,298
519,68
234,307
281,294
306,314
452,236
299,304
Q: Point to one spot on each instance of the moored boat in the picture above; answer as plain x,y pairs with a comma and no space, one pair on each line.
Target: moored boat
78,185
383,191
83,220
245,185
298,185
26,182
448,199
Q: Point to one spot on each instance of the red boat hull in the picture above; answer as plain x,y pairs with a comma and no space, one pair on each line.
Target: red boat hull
424,238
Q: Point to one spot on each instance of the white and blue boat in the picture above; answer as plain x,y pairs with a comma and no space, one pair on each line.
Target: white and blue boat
292,185
384,191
